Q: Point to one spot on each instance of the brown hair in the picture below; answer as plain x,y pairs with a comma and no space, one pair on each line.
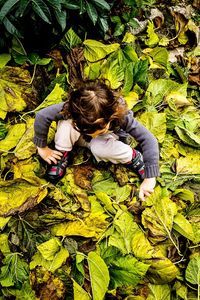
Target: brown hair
93,105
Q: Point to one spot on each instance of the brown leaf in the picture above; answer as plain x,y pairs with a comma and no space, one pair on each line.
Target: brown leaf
83,175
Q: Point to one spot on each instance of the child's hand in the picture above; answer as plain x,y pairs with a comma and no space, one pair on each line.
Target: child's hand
49,155
147,187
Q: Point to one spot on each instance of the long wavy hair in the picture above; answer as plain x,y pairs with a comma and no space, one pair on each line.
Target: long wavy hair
93,105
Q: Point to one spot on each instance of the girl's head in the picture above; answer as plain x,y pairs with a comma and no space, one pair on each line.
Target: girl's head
94,107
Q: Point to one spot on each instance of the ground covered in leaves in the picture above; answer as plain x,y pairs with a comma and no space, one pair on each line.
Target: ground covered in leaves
89,236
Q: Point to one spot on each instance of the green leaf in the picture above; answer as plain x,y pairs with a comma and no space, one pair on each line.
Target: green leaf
79,292
15,132
159,218
156,123
11,28
160,56
188,165
102,4
140,72
95,50
14,271
49,248
103,23
61,17
70,40
42,10
92,12
51,265
4,59
113,72
54,97
99,275
126,228
6,8
192,273
14,90
159,292
183,226
153,38
126,271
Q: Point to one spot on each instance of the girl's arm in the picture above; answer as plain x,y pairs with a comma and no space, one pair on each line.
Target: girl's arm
42,123
147,142
43,120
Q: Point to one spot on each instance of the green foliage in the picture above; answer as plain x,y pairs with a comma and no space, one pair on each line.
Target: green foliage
49,19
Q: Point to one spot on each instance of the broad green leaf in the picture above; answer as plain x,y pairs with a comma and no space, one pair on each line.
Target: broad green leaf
159,292
128,79
183,226
27,170
184,194
4,246
3,222
25,147
130,54
141,247
15,132
156,123
126,271
159,218
4,59
192,273
128,38
102,4
52,265
113,73
181,290
27,196
92,12
79,292
95,50
42,10
153,38
160,56
14,270
13,95
131,99
140,71
188,165
161,270
78,228
61,17
126,228
54,97
99,275
6,8
188,137
92,70
105,199
70,39
158,89
49,248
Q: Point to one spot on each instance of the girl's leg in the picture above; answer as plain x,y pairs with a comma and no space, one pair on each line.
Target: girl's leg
108,148
66,136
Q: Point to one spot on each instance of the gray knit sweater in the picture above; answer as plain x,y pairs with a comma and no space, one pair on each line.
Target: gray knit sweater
131,126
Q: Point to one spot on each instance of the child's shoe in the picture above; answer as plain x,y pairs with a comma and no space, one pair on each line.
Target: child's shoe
57,171
137,163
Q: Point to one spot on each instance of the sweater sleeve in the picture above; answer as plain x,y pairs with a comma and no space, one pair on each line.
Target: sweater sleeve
43,120
147,142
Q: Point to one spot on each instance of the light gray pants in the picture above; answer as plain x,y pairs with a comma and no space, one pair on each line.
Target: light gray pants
105,147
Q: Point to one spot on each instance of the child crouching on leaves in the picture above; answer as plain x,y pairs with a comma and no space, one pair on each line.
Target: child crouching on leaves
95,117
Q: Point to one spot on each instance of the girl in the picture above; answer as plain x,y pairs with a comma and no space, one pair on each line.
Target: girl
96,117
